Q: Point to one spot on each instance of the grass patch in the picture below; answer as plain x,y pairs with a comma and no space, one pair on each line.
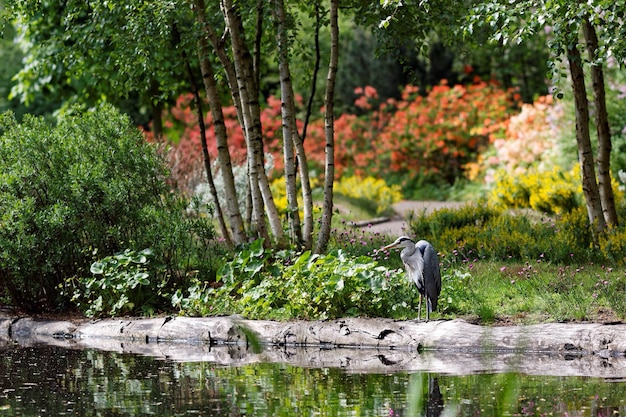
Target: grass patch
501,289
500,293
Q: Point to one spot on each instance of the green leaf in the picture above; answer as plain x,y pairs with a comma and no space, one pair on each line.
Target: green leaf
256,248
97,268
142,278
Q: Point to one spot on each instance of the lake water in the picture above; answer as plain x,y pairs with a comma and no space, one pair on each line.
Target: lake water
45,380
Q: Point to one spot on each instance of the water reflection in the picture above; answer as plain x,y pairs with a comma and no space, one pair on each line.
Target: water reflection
434,405
46,380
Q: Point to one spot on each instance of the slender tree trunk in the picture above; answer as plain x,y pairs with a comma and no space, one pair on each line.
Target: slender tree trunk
156,107
218,44
256,63
585,153
205,152
245,80
273,216
602,125
219,128
329,120
288,122
268,199
316,68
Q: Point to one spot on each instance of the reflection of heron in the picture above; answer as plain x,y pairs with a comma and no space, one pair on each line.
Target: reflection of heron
435,399
422,268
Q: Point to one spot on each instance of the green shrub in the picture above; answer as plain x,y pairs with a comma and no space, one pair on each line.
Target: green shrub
84,189
445,219
369,190
613,245
478,232
284,285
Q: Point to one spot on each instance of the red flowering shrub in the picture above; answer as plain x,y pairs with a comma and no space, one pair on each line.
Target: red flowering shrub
424,136
430,136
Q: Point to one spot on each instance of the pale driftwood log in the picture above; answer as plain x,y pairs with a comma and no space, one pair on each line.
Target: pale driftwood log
357,345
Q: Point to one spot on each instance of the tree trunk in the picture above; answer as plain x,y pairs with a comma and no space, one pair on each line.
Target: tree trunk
205,152
268,199
288,123
585,153
245,84
316,68
156,107
251,115
307,197
602,125
329,120
256,63
218,44
219,127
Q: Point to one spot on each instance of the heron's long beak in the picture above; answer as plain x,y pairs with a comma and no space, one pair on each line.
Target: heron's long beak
390,246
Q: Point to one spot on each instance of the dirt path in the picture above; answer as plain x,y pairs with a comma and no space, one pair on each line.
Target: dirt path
397,225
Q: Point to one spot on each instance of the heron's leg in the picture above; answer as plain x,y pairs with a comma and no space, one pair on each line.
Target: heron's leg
419,308
428,308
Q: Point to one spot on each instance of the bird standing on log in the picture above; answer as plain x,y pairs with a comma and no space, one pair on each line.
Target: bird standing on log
422,268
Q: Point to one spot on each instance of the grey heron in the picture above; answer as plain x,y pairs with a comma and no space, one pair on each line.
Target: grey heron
422,268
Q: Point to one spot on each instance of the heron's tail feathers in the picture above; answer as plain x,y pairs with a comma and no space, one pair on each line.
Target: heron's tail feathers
432,304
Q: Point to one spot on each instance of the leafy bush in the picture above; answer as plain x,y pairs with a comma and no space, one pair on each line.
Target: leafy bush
410,141
449,218
374,191
497,234
613,245
258,284
550,192
532,139
86,188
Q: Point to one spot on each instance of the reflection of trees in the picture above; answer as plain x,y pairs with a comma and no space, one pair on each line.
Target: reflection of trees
54,381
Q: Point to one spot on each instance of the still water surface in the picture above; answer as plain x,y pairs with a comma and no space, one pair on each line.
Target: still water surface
53,381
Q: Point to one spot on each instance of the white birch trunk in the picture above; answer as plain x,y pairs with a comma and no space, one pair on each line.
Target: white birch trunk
290,132
329,120
244,75
210,86
602,125
251,115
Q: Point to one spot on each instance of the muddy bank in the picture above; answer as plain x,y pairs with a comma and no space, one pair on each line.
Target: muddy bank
358,345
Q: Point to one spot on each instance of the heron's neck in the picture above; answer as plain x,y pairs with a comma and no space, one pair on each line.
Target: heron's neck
409,251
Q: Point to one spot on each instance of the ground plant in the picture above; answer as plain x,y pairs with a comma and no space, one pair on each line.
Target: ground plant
285,285
116,284
498,266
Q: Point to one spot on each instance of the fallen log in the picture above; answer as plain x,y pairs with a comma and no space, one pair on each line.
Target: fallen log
358,345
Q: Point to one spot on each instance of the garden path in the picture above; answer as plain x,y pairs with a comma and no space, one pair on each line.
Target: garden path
397,225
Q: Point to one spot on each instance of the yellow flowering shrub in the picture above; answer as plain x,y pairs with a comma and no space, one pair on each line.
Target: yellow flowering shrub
371,189
613,245
556,191
279,192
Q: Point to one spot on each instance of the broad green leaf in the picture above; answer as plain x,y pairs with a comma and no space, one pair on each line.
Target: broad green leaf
97,268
